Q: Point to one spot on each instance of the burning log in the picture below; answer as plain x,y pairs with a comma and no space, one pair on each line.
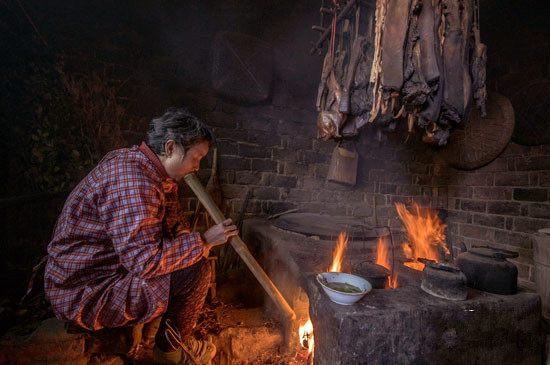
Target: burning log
425,233
241,249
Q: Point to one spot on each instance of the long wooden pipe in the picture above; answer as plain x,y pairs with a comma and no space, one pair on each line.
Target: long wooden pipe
240,248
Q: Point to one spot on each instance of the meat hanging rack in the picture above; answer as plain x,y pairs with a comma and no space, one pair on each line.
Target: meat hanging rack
420,62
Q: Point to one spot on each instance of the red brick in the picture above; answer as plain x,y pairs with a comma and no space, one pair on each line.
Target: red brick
511,179
233,191
529,225
458,216
253,150
477,232
501,207
489,220
539,211
530,194
474,179
473,205
299,195
266,193
460,191
529,163
248,177
264,164
387,189
234,163
513,239
492,193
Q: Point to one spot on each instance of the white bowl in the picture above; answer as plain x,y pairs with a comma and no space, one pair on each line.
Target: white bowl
340,277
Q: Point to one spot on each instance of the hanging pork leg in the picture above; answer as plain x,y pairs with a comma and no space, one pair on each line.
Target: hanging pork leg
457,92
466,27
430,56
431,61
415,90
478,68
356,53
393,44
479,74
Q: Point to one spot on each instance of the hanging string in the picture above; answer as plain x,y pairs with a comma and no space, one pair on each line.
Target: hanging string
336,6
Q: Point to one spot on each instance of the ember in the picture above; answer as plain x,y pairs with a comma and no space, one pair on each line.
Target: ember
338,253
425,233
383,259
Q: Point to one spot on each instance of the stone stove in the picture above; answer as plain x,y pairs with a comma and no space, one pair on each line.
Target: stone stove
390,326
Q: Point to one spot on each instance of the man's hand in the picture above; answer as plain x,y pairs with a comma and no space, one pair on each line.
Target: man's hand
220,233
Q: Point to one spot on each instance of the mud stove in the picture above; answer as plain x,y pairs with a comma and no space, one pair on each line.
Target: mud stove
404,325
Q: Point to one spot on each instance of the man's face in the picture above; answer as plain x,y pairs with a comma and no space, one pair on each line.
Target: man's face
179,163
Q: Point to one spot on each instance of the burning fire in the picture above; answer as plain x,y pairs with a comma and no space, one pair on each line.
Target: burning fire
383,259
306,336
425,234
338,253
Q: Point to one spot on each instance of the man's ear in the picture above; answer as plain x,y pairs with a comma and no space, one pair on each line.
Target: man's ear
169,147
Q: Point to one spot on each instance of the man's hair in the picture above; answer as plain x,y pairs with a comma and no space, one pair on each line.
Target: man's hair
179,125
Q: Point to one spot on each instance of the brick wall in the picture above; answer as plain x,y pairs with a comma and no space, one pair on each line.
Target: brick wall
272,151
502,203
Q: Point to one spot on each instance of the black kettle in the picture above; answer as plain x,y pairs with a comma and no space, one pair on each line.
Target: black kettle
487,269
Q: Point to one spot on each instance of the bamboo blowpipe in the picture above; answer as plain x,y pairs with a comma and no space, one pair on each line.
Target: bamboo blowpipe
240,247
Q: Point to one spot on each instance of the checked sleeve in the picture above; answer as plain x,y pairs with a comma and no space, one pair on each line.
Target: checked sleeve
132,211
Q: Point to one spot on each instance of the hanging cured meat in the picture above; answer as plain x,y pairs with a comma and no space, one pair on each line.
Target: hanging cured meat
419,62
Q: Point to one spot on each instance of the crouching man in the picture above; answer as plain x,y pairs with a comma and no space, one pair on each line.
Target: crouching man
122,253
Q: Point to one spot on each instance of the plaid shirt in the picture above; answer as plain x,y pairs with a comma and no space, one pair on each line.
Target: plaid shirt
118,238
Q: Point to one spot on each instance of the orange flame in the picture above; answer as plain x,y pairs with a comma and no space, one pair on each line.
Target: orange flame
306,336
383,259
425,234
392,283
338,252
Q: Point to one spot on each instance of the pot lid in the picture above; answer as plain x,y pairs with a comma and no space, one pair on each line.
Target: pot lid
326,226
493,252
439,265
371,270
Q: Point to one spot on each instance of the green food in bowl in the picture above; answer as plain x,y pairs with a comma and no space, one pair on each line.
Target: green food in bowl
344,287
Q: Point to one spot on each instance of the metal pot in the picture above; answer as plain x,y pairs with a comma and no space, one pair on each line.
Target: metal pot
443,281
376,274
487,269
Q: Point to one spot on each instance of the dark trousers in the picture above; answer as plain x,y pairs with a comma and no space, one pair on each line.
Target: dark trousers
188,289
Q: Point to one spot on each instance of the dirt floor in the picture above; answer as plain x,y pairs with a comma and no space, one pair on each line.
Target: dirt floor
242,335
